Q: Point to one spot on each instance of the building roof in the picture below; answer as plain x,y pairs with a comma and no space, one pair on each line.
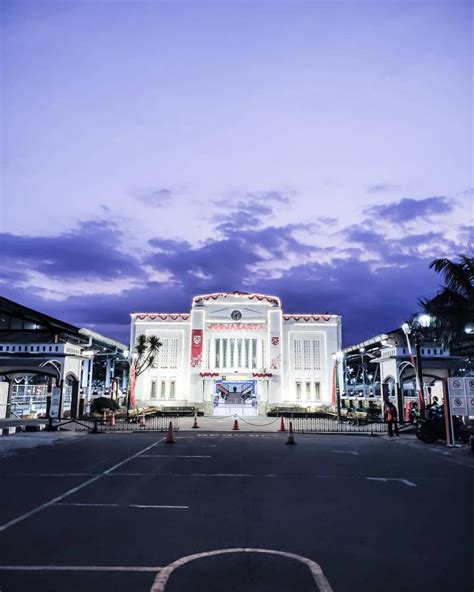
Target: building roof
236,295
47,324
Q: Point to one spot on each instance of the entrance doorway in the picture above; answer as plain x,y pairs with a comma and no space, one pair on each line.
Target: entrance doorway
235,396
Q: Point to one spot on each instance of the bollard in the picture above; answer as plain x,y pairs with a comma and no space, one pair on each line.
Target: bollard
291,437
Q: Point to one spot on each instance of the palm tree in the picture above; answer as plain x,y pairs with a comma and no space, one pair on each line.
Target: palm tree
146,349
452,309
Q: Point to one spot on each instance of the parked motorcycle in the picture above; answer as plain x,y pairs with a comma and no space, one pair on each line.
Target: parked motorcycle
434,428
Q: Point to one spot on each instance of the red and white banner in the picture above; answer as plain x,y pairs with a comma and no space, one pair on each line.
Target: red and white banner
132,400
196,348
275,351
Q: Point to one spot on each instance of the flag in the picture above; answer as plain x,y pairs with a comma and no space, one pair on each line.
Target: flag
132,400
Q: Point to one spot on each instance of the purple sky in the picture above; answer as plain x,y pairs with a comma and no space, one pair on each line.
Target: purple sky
318,151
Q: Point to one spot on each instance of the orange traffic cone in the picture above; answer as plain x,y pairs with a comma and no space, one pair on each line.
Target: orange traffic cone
236,424
112,420
195,424
282,425
170,435
142,421
291,437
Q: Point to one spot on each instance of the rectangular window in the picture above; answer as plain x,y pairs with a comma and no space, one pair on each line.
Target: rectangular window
317,391
247,353
153,390
232,353
224,353
217,343
173,358
264,353
316,354
208,354
298,391
164,353
297,353
308,390
163,390
307,354
254,353
239,353
172,389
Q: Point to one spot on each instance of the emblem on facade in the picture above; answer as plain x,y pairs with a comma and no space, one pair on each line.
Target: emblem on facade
236,315
197,339
275,340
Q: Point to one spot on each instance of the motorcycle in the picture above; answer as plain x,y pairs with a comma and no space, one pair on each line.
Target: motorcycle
434,428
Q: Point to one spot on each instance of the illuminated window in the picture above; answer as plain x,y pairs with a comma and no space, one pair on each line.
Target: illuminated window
297,353
153,390
316,354
308,390
217,343
317,391
232,353
298,391
172,389
247,353
254,353
224,353
163,390
239,353
264,353
307,354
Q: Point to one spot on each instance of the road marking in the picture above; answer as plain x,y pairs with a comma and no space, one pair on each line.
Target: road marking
346,452
48,475
164,574
175,456
73,490
76,568
385,479
91,505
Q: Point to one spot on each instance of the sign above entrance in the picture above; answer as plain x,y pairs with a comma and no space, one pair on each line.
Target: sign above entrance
236,326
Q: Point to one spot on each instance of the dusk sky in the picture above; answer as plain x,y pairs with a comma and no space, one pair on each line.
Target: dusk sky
151,151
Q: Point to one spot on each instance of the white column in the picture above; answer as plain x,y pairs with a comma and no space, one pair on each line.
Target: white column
108,367
89,381
85,373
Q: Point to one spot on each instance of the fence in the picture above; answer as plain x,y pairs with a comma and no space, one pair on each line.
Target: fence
318,424
150,423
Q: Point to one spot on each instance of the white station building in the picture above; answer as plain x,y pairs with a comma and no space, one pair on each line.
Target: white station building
234,343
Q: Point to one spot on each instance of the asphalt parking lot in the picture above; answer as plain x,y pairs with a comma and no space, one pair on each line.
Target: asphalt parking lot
235,511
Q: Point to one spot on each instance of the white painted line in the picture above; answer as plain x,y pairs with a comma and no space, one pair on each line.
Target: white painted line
49,475
385,479
346,452
175,456
164,574
76,568
91,505
108,471
73,490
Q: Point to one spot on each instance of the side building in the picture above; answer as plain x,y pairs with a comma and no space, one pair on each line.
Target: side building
39,352
238,344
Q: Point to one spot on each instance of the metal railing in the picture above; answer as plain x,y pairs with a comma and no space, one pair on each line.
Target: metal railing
318,424
137,424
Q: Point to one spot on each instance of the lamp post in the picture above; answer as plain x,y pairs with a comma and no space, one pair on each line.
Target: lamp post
338,358
362,350
423,321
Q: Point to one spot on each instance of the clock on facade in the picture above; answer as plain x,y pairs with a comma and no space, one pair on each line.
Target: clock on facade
236,315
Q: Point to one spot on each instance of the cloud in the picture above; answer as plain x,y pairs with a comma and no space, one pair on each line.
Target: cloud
157,198
409,209
90,251
382,188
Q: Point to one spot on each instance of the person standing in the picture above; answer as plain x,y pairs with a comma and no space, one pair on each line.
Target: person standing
391,417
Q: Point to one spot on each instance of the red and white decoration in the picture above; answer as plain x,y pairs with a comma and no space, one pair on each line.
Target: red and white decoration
196,348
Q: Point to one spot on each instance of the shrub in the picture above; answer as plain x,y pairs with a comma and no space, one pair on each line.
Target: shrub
101,403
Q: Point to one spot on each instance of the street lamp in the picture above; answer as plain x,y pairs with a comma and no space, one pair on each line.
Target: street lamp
338,357
423,321
362,350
